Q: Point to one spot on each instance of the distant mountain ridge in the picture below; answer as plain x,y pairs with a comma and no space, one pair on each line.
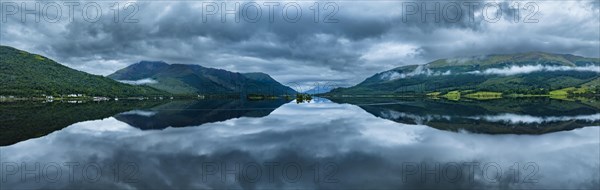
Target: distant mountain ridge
319,89
533,72
196,79
23,74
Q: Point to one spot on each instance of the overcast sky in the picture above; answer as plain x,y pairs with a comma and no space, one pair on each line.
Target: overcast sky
351,41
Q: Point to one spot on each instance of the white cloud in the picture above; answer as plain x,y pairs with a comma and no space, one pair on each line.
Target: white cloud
139,82
528,119
387,51
420,70
511,70
525,69
140,113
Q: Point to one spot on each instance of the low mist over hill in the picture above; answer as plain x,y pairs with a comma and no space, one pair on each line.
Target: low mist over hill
524,73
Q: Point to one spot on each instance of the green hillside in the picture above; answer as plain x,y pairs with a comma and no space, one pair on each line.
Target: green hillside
525,73
23,74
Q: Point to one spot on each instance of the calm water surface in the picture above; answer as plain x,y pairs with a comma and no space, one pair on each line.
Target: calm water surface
325,144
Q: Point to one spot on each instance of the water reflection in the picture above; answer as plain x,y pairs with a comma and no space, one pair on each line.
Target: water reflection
24,120
362,150
194,113
502,116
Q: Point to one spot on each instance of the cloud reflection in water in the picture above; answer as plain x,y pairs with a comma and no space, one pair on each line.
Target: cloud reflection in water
368,151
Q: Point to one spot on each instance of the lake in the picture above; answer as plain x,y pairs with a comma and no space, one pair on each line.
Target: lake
352,143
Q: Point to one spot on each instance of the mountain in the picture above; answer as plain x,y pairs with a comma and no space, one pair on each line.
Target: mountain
523,73
319,89
195,79
265,84
24,74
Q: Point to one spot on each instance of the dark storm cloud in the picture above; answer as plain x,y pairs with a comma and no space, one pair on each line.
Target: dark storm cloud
362,38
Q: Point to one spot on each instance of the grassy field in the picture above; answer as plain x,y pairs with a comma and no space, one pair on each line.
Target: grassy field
452,95
571,91
484,95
